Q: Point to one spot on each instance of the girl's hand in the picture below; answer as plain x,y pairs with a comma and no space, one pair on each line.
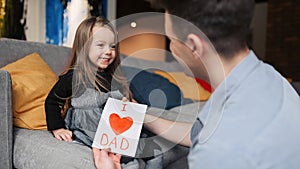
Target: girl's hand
106,160
134,101
63,134
124,99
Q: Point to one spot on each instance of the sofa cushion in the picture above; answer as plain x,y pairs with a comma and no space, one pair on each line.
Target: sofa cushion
188,85
32,79
57,57
37,149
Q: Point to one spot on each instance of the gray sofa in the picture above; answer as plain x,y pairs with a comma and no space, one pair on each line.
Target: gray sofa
22,148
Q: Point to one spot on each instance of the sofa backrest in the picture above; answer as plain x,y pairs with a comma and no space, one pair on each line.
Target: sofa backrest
11,50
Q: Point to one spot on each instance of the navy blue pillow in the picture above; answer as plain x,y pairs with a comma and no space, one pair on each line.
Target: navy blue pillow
152,89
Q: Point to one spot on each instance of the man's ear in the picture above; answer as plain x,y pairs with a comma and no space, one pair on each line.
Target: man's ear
195,44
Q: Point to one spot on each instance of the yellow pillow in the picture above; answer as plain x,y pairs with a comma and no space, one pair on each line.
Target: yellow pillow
188,85
32,80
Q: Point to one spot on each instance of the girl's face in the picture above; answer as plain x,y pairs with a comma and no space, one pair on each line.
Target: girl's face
102,51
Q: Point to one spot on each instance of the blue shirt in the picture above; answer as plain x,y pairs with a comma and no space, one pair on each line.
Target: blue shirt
251,121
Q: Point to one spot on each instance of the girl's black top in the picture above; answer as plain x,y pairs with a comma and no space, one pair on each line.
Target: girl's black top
61,91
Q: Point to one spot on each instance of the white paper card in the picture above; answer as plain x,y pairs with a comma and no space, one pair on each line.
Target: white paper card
120,127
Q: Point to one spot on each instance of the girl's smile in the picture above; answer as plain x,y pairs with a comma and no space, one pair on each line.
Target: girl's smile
105,60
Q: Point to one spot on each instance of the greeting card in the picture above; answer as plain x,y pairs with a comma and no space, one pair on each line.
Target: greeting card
120,127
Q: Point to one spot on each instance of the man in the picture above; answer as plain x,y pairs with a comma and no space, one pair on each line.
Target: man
252,119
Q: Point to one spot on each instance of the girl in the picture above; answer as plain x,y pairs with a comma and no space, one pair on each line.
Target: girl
91,78
83,89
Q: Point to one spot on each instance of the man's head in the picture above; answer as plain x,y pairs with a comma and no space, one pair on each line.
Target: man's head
226,23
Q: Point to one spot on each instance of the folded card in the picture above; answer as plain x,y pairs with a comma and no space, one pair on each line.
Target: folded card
120,127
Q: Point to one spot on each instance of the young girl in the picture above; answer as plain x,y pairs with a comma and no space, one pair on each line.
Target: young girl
83,89
87,83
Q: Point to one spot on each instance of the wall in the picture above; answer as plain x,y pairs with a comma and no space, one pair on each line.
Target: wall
283,37
259,25
36,26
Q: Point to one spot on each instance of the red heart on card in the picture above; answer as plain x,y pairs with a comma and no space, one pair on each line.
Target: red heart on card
118,124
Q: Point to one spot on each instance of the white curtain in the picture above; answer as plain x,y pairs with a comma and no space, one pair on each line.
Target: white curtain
76,11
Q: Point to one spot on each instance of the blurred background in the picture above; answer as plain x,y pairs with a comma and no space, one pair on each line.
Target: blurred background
276,25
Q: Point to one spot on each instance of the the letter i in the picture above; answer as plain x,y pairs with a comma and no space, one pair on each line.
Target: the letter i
124,106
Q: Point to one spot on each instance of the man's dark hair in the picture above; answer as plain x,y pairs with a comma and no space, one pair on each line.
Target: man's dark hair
226,23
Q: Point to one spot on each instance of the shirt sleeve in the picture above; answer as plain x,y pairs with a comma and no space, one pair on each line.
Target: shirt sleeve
56,100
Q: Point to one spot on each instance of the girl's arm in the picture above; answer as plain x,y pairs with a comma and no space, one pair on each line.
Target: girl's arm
177,132
54,104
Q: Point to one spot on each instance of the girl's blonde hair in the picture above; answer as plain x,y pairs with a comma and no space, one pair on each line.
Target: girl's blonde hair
84,74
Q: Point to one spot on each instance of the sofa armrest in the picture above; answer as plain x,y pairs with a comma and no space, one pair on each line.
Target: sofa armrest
6,126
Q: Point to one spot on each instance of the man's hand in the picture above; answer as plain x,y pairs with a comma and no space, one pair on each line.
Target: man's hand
106,160
63,134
